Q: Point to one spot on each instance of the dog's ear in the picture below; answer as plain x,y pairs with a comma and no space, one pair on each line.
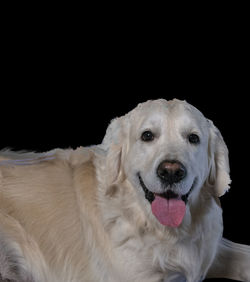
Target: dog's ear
219,176
114,144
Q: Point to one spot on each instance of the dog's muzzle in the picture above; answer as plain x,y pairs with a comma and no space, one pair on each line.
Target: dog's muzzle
169,194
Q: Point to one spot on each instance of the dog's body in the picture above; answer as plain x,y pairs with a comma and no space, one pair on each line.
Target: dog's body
86,215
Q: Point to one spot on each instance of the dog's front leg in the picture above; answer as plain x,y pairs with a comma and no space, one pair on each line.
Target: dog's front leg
232,261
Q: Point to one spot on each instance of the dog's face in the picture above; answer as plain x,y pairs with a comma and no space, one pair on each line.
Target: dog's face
168,150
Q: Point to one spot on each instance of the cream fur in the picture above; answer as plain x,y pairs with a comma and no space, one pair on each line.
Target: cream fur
81,215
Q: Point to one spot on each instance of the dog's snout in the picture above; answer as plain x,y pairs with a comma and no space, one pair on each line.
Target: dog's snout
171,171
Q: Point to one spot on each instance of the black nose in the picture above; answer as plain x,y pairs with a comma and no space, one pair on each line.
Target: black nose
171,172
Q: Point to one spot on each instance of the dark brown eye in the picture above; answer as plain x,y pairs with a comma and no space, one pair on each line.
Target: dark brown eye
193,138
147,136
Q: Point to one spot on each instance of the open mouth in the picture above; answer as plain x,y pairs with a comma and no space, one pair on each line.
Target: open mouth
168,207
150,196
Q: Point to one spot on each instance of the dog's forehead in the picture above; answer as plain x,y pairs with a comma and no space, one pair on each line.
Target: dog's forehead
175,108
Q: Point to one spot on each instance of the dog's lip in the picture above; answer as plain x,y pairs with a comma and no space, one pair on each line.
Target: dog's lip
169,194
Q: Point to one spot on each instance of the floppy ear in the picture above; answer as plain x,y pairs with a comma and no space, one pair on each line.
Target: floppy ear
114,144
218,161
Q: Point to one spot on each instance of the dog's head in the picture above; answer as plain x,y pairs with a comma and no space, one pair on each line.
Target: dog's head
167,150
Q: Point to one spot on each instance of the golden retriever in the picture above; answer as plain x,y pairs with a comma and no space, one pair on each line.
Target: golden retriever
143,206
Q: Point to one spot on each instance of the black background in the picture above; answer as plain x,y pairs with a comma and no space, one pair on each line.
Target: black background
62,81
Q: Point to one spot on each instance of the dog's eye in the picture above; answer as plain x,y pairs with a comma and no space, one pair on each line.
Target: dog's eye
193,138
147,136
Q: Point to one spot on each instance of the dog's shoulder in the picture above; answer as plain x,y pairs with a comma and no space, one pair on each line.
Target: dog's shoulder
42,178
44,197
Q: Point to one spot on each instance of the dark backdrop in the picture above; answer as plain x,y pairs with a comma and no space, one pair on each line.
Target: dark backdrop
61,88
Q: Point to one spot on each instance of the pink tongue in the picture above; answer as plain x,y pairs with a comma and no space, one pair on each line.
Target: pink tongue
168,212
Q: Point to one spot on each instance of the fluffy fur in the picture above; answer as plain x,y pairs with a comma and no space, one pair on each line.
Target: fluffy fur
81,215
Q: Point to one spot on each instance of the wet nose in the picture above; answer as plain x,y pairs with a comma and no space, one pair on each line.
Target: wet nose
171,172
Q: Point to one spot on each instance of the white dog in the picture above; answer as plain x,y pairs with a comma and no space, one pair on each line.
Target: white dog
143,206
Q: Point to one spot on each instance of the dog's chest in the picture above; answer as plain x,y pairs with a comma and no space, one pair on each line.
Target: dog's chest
146,258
